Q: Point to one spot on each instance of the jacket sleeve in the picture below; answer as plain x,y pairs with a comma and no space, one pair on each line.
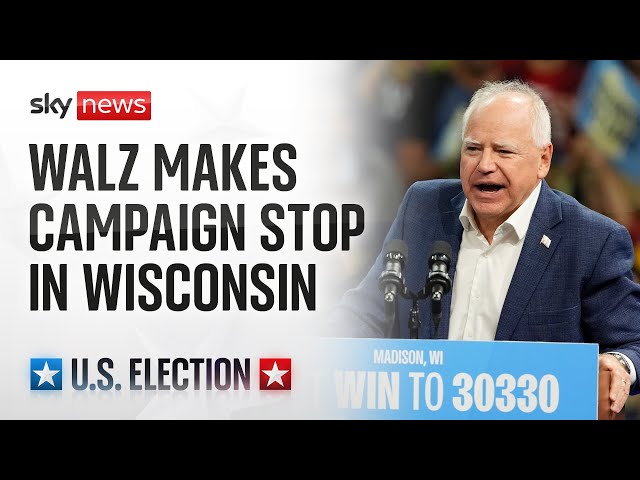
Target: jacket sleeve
611,300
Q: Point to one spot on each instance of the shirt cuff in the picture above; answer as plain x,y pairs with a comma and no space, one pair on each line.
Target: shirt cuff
632,367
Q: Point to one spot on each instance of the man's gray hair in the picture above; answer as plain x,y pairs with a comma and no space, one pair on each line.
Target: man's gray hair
541,122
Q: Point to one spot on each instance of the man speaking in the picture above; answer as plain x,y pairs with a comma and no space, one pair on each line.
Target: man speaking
527,262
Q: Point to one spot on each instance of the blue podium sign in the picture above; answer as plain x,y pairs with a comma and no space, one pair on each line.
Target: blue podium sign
445,379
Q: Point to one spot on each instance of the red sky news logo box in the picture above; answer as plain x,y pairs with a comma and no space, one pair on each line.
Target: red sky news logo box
114,105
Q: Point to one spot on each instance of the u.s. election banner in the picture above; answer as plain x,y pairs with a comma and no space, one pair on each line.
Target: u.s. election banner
174,234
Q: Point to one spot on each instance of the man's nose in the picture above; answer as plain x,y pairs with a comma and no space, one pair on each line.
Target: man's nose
487,162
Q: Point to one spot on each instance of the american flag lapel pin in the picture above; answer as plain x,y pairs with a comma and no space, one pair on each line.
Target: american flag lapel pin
546,241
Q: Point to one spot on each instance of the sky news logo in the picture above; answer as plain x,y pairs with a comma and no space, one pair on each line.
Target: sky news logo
97,105
163,374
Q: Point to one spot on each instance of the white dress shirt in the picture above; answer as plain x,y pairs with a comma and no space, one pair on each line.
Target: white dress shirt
484,272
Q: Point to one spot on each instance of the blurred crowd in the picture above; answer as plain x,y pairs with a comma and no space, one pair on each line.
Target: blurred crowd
409,116
410,112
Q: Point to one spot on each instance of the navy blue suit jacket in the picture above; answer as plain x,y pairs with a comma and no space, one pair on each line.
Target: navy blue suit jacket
580,289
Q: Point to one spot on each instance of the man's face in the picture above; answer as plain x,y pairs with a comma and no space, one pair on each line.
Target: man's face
499,164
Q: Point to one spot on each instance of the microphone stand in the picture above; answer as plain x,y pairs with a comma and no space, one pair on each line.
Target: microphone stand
414,319
437,286
436,311
414,313
391,306
434,289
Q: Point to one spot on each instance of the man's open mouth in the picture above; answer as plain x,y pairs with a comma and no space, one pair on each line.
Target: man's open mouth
489,187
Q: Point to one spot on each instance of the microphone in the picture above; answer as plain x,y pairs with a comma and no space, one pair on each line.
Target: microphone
438,281
390,280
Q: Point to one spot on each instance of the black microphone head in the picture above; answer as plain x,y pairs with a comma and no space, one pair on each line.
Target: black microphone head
396,249
441,250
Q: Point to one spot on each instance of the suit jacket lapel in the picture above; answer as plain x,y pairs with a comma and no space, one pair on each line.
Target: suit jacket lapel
532,262
453,234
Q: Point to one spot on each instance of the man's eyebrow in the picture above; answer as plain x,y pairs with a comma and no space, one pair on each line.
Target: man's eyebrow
505,146
496,145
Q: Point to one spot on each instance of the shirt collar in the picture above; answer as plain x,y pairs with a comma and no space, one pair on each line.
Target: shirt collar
519,220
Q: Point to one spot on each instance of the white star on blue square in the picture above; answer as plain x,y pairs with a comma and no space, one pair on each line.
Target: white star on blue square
46,374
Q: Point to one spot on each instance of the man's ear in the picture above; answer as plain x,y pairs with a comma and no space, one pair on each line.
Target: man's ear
544,162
